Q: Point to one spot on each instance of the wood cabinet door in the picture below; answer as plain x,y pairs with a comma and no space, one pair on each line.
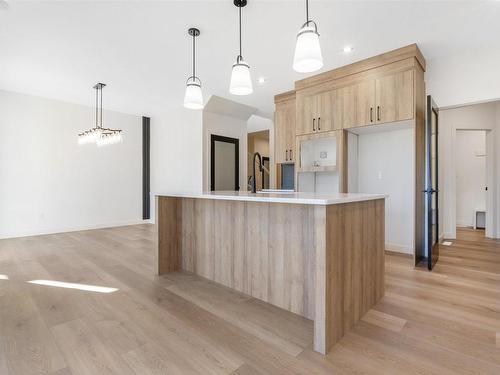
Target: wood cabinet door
324,111
394,97
358,102
306,112
280,134
291,130
337,109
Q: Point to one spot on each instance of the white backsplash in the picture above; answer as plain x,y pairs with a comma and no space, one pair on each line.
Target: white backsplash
319,152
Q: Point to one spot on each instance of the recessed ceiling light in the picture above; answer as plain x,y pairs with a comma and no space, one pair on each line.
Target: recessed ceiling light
348,49
262,80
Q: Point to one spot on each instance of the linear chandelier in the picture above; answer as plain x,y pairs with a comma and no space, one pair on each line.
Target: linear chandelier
98,134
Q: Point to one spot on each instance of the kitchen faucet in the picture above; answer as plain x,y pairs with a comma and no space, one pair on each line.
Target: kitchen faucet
254,182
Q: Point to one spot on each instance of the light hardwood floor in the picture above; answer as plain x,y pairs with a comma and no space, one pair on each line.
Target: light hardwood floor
445,322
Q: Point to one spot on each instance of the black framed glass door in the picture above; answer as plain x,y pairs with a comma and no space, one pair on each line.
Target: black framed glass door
431,183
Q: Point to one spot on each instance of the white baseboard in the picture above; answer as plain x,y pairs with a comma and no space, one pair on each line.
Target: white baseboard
73,229
398,248
449,236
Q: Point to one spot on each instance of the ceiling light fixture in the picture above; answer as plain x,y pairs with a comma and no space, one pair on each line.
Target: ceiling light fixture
307,56
193,99
241,82
99,135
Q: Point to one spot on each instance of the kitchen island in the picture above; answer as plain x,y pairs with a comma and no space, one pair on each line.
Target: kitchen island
317,255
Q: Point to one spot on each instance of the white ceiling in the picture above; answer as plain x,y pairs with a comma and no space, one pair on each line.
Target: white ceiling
142,51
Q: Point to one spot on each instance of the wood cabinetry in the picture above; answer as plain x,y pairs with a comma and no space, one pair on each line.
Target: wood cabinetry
394,97
382,89
284,128
384,99
319,112
358,104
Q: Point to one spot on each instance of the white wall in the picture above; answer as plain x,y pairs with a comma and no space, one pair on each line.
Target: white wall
484,116
386,165
48,183
227,126
471,175
176,152
471,76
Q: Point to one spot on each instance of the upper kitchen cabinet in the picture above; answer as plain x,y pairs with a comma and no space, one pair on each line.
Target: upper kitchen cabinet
319,112
284,128
358,104
394,97
377,90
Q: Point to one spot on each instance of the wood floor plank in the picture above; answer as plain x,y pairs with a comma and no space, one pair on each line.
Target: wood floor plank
442,322
85,353
384,320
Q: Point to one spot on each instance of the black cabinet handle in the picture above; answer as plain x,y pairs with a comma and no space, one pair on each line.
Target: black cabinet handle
286,153
314,129
319,123
378,113
371,114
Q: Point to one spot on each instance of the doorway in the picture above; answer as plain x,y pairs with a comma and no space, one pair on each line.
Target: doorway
471,183
224,163
259,142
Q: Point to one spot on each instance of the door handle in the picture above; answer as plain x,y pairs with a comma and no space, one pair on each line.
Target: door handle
314,129
378,113
430,191
286,155
371,114
290,154
319,123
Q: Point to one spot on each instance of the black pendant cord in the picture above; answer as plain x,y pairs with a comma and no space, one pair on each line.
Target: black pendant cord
239,8
307,12
101,108
194,56
96,108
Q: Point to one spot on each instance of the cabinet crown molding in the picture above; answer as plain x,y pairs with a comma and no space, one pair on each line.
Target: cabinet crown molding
289,95
410,51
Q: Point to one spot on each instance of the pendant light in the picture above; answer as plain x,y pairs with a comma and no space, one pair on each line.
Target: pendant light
307,56
193,99
241,82
98,134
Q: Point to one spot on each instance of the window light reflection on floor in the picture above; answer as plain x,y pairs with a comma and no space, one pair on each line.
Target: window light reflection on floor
61,284
4,277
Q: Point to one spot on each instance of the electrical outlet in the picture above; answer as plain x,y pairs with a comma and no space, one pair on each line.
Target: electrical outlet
323,154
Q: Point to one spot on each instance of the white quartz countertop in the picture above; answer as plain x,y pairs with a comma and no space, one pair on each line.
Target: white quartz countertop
295,197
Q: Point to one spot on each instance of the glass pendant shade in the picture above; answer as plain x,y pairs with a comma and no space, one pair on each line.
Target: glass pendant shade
241,81
193,99
307,56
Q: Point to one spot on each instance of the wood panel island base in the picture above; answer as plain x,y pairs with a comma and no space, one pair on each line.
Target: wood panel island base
319,256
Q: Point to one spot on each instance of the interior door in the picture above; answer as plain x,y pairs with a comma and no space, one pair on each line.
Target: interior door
431,183
224,163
